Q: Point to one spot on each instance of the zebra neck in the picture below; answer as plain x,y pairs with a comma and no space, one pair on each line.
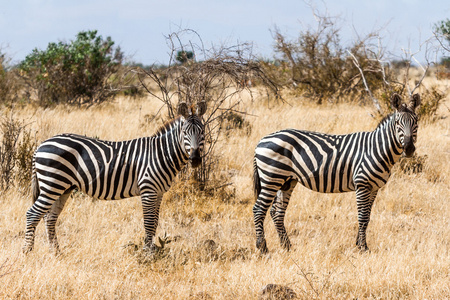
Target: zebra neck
184,154
172,142
386,141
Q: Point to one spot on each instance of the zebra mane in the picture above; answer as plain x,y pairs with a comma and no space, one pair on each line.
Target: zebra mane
166,126
385,120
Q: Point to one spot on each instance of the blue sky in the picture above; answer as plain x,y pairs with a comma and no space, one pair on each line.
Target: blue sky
140,26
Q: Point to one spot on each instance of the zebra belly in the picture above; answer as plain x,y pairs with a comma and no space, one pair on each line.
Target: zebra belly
324,184
325,179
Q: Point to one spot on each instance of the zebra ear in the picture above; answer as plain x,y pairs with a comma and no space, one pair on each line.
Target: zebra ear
183,109
414,102
201,108
396,101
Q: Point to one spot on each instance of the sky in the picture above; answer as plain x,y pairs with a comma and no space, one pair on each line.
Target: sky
141,27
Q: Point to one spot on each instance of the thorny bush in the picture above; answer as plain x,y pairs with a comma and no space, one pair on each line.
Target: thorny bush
317,65
218,79
16,152
9,84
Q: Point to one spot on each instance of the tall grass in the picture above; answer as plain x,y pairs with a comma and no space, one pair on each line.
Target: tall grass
211,253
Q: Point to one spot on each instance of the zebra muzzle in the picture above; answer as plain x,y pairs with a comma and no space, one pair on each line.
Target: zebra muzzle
408,147
195,158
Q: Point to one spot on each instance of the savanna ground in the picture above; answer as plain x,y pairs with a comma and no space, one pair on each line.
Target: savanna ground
211,254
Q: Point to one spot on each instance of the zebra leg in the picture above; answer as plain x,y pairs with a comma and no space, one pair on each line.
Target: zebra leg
265,199
364,201
278,211
150,206
51,217
42,205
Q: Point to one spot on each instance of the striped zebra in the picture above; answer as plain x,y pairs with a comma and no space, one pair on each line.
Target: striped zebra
359,162
113,170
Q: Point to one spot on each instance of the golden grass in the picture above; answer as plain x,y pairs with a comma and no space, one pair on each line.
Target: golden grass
409,233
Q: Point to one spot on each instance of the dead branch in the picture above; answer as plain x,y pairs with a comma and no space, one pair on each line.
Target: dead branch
375,101
411,56
6,268
421,78
439,38
306,277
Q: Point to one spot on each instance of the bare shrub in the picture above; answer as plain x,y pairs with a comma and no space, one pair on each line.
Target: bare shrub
9,84
431,97
235,122
16,151
126,83
10,129
217,78
24,156
319,65
430,101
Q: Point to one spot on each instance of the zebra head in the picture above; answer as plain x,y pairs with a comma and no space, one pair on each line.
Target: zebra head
406,122
193,131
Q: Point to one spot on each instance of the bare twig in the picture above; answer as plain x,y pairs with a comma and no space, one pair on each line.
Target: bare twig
6,268
375,101
336,268
411,56
439,38
306,277
219,78
423,75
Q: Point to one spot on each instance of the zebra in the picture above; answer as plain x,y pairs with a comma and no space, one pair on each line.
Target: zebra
326,163
109,170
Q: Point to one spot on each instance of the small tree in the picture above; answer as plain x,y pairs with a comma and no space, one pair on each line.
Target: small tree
442,32
76,72
185,56
443,28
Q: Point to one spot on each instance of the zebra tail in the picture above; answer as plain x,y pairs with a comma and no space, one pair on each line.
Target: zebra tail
34,185
256,181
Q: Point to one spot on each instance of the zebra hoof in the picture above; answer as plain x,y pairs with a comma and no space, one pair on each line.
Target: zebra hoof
261,245
27,249
150,249
286,244
55,250
363,249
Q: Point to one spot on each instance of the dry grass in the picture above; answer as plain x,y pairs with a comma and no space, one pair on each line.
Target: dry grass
101,241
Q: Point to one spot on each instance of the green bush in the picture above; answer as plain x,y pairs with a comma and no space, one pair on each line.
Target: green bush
76,72
185,56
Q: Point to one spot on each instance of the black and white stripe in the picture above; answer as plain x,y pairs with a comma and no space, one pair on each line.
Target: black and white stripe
113,170
359,162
